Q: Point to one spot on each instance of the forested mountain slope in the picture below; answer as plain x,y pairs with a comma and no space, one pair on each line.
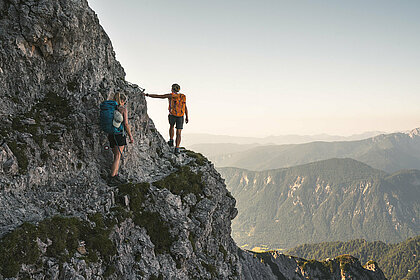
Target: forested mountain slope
336,199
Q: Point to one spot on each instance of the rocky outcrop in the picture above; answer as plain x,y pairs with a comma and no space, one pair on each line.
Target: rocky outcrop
342,267
59,218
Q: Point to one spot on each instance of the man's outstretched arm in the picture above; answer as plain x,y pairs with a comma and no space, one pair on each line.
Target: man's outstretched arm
159,95
186,114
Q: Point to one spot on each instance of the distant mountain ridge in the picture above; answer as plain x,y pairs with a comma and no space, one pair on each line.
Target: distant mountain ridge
203,138
335,199
388,152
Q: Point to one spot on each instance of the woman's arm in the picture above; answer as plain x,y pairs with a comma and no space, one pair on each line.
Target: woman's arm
159,95
126,126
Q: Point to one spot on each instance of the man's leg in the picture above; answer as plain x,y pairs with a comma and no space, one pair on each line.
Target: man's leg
171,132
178,137
171,120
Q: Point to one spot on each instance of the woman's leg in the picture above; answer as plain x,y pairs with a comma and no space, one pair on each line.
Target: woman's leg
117,150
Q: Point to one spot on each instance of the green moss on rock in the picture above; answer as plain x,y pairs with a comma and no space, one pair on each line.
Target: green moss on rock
199,158
19,150
64,234
192,241
182,182
136,194
56,106
72,85
223,250
18,247
210,268
154,277
109,271
156,228
52,138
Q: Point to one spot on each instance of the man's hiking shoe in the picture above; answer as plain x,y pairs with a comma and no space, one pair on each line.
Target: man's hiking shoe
171,142
176,151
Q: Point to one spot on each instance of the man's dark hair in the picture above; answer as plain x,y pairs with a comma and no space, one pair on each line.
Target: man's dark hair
176,87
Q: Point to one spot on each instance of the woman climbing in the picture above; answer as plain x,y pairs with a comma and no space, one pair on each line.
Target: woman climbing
118,141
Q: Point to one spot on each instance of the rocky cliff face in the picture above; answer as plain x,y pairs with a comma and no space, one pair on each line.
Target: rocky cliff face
59,219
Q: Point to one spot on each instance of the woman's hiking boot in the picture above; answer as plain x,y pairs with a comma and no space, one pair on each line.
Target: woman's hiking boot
176,151
116,180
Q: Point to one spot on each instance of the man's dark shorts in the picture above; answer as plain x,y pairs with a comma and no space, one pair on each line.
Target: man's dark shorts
179,121
117,139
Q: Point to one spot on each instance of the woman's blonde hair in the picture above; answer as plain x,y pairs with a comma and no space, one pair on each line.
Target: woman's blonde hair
176,87
120,97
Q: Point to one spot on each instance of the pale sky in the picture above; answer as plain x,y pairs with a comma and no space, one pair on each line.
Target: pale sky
272,67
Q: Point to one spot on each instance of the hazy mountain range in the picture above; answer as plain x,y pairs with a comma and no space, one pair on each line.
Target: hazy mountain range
335,199
191,139
389,152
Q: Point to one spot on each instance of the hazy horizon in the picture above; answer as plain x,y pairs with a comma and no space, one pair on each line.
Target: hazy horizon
260,68
292,134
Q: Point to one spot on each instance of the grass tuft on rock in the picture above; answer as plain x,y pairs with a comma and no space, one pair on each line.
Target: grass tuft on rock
19,150
156,228
182,182
199,158
62,235
135,192
18,247
210,268
223,251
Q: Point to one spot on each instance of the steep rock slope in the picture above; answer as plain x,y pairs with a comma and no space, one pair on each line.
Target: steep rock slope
336,199
57,64
59,219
